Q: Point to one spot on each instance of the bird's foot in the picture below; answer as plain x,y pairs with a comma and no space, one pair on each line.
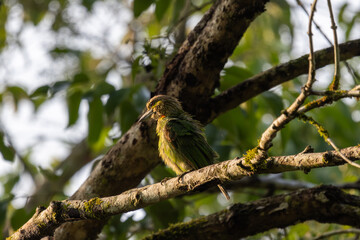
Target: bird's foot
162,182
180,177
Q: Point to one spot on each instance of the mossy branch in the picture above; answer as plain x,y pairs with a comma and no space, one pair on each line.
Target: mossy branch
325,135
45,221
321,130
325,204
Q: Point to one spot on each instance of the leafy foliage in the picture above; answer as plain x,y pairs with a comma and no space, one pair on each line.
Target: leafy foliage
106,83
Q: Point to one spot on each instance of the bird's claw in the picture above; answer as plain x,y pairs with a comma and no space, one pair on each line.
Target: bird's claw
162,182
180,177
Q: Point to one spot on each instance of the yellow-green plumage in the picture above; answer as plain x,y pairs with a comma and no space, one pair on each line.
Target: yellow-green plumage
182,143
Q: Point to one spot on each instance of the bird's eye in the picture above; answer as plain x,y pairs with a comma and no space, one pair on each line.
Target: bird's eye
156,106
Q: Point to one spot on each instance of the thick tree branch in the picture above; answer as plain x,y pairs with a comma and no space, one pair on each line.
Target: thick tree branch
122,168
268,79
324,204
101,208
192,75
194,72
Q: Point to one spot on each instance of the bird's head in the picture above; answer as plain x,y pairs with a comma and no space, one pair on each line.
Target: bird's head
162,106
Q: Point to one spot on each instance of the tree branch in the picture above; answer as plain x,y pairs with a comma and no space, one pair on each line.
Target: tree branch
192,75
325,204
122,168
290,113
46,220
268,79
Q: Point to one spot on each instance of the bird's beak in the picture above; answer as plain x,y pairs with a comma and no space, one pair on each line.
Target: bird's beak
147,114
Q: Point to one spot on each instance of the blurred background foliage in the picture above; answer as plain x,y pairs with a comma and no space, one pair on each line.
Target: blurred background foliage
101,60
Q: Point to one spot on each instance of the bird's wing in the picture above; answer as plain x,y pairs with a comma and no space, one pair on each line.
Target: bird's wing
189,142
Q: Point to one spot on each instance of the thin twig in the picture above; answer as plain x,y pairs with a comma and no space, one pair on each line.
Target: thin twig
329,97
290,113
325,135
342,155
315,23
347,65
335,84
311,75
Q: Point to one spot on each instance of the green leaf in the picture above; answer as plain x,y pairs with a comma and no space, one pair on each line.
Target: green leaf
141,5
234,75
10,182
73,101
338,121
116,229
273,101
88,4
80,78
100,143
103,88
34,15
95,119
178,7
17,94
115,98
239,125
38,101
223,151
161,8
19,217
7,152
41,91
3,208
59,86
349,28
160,172
4,10
128,115
60,51
163,213
285,134
135,67
342,12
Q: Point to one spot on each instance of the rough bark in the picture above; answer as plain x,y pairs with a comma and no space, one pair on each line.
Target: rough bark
272,77
46,220
122,168
192,75
325,204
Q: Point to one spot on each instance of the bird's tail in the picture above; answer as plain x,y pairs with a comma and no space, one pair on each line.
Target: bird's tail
223,191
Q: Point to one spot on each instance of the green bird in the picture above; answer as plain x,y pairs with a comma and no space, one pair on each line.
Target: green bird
182,143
